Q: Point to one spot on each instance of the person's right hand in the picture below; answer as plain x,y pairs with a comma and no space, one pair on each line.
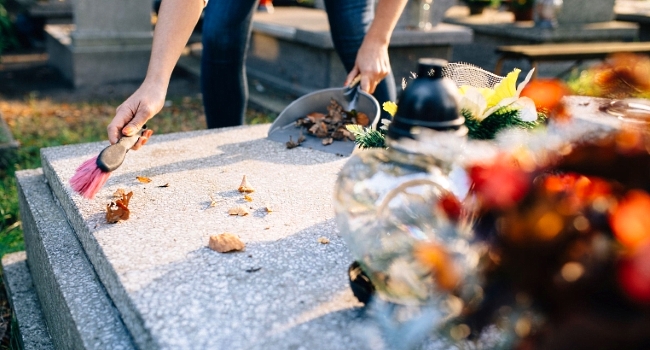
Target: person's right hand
133,113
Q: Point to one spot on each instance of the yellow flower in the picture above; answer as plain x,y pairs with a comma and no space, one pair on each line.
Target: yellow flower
485,92
481,102
504,89
390,107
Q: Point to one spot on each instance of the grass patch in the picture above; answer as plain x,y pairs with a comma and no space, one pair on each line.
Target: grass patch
40,122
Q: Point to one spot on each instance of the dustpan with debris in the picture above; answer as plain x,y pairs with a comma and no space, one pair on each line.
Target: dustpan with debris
284,127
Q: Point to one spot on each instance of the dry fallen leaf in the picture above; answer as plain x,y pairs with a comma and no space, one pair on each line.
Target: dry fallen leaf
362,119
165,185
268,208
213,203
323,240
144,180
245,187
119,193
118,210
240,210
248,198
315,117
330,127
226,242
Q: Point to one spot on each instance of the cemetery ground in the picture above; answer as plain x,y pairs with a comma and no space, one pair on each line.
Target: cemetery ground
43,110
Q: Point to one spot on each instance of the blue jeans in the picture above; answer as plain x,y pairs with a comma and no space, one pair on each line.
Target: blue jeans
226,33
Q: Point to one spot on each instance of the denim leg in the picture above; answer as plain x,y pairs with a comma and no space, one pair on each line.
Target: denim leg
226,32
349,20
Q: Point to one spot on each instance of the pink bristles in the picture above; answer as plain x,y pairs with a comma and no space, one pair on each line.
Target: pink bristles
89,179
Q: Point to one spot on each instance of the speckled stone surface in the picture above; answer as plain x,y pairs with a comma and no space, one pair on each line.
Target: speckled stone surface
32,331
78,312
285,291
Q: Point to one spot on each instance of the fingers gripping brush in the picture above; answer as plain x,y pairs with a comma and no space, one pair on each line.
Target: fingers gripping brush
93,173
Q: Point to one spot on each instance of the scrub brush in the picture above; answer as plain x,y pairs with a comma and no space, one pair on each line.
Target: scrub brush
93,173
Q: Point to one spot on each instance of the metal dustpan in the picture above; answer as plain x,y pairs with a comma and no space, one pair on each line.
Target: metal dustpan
284,125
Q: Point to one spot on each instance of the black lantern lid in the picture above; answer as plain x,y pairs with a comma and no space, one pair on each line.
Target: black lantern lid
429,101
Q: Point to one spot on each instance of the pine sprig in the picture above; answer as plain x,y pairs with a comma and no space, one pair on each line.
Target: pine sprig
501,119
368,137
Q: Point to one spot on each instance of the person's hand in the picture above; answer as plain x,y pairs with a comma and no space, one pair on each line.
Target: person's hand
133,113
142,140
372,63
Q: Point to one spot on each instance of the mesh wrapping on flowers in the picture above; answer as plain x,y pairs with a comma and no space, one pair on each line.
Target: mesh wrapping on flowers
468,74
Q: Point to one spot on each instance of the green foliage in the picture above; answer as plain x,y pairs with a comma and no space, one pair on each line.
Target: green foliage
493,3
368,137
7,36
584,84
486,130
10,230
521,4
501,119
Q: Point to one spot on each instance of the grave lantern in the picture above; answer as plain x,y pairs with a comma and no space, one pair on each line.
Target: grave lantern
395,206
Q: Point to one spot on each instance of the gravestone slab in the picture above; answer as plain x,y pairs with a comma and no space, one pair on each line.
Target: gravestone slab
497,28
585,11
286,290
110,41
76,308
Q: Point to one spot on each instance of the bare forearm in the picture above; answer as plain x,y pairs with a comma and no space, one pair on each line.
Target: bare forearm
386,15
176,21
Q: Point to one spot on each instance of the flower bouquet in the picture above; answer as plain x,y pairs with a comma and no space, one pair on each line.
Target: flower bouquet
488,102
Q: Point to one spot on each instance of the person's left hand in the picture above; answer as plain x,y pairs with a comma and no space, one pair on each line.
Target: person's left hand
372,64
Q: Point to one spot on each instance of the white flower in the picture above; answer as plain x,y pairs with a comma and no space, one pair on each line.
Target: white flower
483,102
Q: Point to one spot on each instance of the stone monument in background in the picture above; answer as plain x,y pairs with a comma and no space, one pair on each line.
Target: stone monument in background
110,41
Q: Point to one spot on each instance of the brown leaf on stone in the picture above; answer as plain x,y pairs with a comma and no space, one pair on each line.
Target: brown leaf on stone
119,193
240,210
327,141
165,185
118,210
245,187
213,203
143,179
248,198
226,242
323,240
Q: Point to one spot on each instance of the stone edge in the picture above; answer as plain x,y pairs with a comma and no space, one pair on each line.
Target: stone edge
76,307
107,275
32,331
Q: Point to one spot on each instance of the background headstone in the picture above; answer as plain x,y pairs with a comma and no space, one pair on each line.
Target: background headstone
110,41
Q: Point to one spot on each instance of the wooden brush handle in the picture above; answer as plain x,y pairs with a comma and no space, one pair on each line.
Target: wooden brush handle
112,156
